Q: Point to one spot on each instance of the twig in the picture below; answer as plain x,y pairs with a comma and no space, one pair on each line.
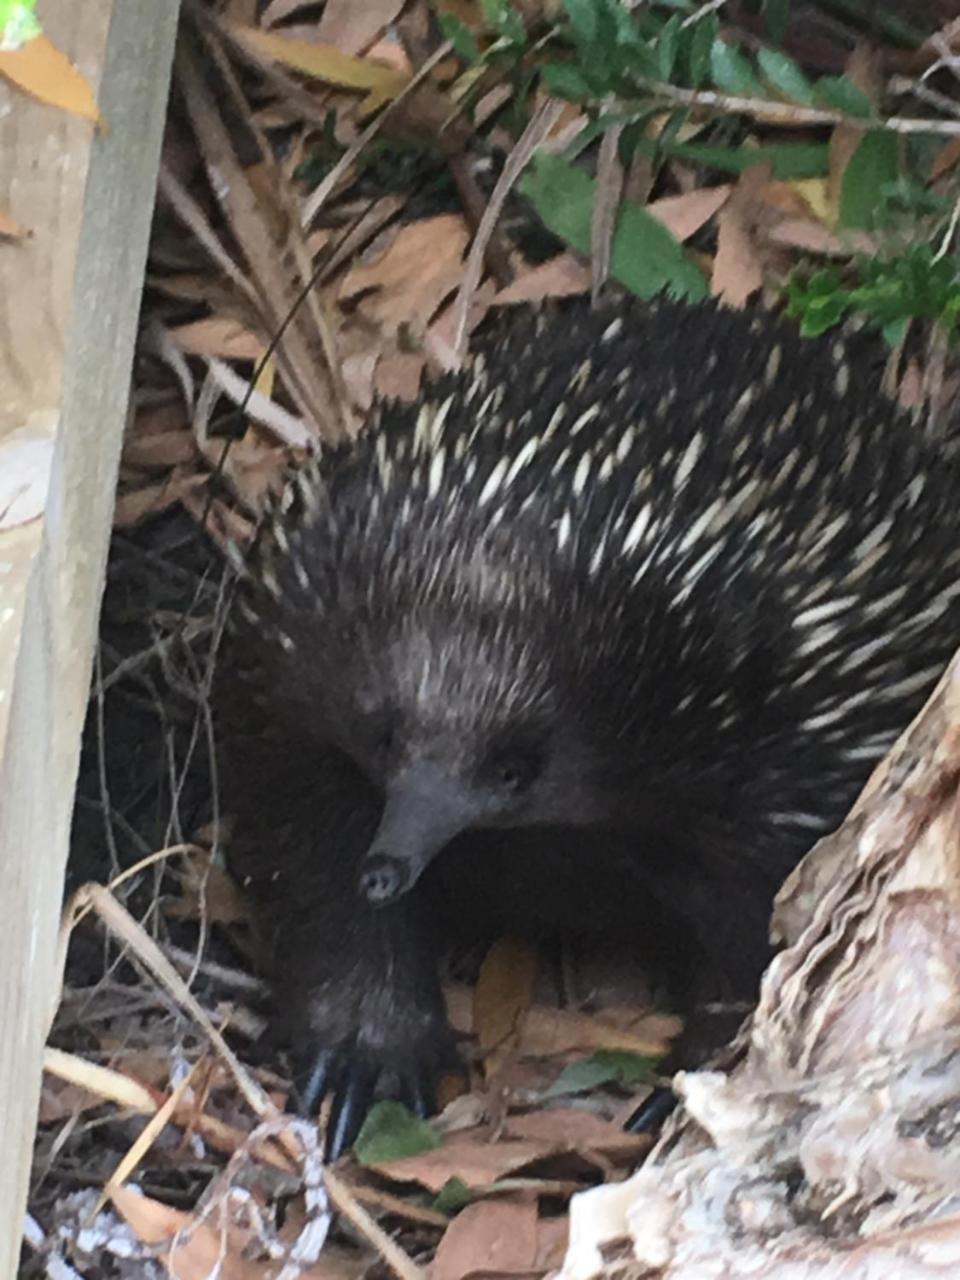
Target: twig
791,113
321,193
540,125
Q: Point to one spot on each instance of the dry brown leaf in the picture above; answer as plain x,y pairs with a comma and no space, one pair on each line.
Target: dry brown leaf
159,449
945,159
399,375
497,1237
503,993
557,1032
737,266
137,504
207,892
219,336
787,198
324,62
40,69
685,214
552,1236
469,1156
478,1160
571,1129
421,268
440,340
558,277
198,1250
813,237
351,27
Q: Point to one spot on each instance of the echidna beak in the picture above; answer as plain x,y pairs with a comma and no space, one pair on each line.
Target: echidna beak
425,808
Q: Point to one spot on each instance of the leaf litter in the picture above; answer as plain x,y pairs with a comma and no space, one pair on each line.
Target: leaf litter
325,174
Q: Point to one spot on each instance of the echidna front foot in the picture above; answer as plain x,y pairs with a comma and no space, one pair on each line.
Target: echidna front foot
353,1077
363,1036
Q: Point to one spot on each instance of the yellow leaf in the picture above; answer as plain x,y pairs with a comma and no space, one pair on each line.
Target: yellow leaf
502,996
40,69
817,196
324,62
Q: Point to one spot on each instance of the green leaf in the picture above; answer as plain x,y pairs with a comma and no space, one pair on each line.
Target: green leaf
785,76
788,159
644,257
453,1196
566,81
608,1066
391,1132
668,46
896,330
583,19
843,94
870,168
701,45
732,72
461,37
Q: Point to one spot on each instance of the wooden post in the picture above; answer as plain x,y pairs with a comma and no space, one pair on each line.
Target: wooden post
69,299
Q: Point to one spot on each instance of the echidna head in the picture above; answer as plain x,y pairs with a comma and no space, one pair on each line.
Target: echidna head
461,726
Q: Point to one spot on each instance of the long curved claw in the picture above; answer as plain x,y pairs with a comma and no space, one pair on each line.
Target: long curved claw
310,1084
419,1091
352,1096
652,1112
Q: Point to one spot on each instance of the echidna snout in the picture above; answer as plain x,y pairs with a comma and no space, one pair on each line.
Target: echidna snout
426,806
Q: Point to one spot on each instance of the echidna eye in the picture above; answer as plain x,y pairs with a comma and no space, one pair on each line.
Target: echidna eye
515,770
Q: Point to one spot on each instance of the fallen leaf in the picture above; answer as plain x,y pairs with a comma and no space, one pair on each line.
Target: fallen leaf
159,449
492,1236
813,237
399,375
469,1156
569,1129
137,504
40,69
558,277
737,266
219,336
351,27
208,893
324,62
502,995
553,1032
685,214
945,159
200,1249
422,266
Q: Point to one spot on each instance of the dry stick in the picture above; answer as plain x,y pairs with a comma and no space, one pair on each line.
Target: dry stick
542,121
789,113
321,194
195,220
603,216
347,1203
121,923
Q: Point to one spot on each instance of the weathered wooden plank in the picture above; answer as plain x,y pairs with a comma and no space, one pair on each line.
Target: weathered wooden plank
69,299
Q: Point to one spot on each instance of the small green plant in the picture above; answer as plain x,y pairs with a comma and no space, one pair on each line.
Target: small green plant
917,284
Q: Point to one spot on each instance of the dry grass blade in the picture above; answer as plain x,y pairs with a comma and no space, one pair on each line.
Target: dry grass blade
94,897
321,194
542,121
603,220
302,363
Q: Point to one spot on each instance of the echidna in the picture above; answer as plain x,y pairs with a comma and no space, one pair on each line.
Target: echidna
612,625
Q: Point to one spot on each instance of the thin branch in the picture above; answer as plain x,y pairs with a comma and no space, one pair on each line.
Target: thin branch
791,113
